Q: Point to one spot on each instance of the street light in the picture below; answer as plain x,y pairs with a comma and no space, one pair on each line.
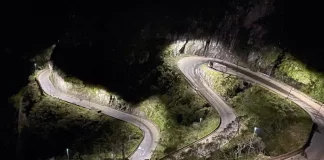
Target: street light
129,137
290,92
67,152
50,66
140,116
255,129
318,111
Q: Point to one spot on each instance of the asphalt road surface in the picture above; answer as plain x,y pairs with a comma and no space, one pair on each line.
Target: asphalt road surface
190,67
151,133
226,113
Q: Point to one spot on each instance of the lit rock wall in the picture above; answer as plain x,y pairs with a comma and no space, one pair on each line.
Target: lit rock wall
241,37
81,91
263,60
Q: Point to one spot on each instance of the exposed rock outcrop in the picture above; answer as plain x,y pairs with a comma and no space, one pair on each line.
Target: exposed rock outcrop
241,37
84,92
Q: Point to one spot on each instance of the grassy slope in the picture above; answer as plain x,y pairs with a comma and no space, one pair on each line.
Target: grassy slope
286,126
312,82
223,84
59,125
178,110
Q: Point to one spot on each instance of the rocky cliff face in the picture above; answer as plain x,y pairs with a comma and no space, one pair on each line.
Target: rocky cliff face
263,60
87,93
128,51
242,36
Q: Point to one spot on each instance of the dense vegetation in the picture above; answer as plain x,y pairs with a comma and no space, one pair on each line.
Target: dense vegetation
48,126
178,111
296,73
284,126
226,85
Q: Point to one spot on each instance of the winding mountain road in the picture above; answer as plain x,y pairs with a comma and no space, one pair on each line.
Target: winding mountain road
190,67
151,133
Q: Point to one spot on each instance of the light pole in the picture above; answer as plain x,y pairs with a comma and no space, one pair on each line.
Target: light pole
89,103
35,65
67,152
290,91
139,114
50,66
318,111
254,131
